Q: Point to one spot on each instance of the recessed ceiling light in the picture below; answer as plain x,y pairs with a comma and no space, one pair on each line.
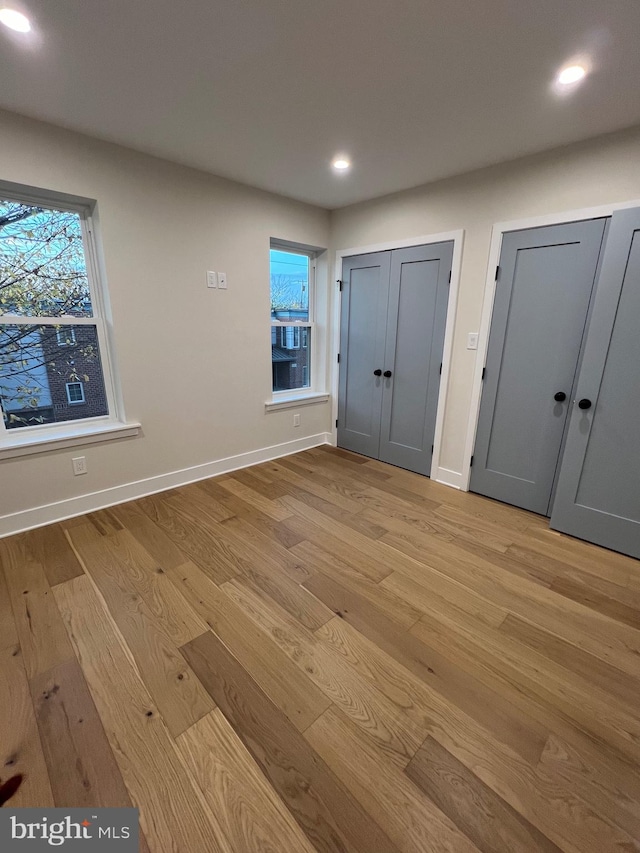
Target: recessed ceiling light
571,74
15,20
341,163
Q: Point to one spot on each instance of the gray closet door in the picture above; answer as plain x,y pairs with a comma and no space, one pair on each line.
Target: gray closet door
541,304
365,296
416,321
598,495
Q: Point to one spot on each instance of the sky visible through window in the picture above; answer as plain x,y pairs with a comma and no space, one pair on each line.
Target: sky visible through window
290,282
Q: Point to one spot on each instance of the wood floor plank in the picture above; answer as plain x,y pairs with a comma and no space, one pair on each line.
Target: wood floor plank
511,518
177,692
329,487
272,508
20,746
49,547
193,502
292,597
354,520
397,727
258,480
484,817
333,491
603,585
396,608
285,685
603,637
618,610
336,550
567,694
141,573
330,817
191,536
43,639
488,532
81,764
105,521
614,792
262,522
580,555
375,551
251,545
341,467
172,813
507,722
413,821
591,669
428,588
152,538
542,572
250,813
436,525
8,630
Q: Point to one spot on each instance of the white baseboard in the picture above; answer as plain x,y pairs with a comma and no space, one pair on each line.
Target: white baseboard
449,478
27,519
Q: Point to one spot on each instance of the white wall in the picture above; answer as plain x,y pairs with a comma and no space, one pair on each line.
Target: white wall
194,363
604,171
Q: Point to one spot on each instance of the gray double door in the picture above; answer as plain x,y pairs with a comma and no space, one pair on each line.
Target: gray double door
559,425
393,317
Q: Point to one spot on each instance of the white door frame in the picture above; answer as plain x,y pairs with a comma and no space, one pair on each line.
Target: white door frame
497,233
446,236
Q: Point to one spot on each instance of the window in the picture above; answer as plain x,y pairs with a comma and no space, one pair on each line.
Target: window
292,281
75,392
66,336
53,343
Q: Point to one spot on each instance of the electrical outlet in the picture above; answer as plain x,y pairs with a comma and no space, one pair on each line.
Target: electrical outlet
472,340
79,464
212,279
296,419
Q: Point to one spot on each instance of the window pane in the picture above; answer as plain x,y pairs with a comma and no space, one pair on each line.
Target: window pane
42,265
290,362
289,286
46,378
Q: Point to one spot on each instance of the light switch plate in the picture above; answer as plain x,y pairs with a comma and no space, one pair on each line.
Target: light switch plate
212,279
472,340
222,281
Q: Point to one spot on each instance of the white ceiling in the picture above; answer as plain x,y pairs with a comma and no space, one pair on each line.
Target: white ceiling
267,91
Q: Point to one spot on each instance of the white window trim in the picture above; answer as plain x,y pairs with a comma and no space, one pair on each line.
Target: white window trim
69,434
292,401
36,439
310,393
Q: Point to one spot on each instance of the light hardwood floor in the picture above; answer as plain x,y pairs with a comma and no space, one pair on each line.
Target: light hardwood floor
325,653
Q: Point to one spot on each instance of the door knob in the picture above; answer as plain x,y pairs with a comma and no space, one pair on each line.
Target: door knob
377,373
584,403
387,373
559,396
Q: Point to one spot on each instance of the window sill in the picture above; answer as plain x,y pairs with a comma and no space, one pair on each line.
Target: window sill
292,401
70,436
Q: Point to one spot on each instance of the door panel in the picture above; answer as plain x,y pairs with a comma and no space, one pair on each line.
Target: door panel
365,296
415,338
598,496
540,310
